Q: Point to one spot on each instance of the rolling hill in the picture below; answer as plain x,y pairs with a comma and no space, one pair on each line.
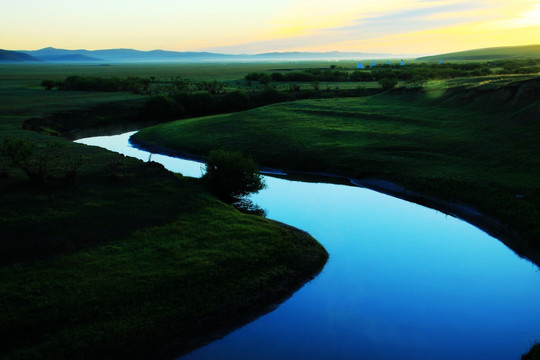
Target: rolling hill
15,56
495,53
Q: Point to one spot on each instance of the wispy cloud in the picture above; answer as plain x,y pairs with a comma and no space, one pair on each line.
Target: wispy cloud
431,15
417,16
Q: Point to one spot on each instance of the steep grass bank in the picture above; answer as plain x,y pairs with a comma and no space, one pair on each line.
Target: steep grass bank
472,142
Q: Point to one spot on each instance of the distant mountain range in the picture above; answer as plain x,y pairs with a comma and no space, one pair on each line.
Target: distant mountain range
494,53
50,54
53,55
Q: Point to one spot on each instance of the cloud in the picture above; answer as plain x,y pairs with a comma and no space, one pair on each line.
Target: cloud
432,16
417,16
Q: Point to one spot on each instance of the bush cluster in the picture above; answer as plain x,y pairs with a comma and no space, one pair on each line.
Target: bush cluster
89,83
408,73
184,104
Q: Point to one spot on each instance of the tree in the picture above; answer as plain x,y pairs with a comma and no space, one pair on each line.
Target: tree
388,83
232,176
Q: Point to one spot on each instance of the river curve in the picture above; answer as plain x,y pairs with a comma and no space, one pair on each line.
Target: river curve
403,281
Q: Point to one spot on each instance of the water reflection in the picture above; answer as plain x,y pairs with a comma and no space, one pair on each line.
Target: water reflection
403,282
120,144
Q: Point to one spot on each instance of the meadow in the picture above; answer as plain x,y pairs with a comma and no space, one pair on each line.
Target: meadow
85,263
466,141
127,260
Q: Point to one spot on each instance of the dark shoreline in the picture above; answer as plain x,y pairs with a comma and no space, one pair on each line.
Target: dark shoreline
503,232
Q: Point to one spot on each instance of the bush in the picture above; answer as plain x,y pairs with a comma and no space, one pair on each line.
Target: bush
162,108
276,76
232,176
21,154
89,83
388,83
261,77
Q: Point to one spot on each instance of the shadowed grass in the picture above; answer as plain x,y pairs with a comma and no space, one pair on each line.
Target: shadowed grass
205,271
132,261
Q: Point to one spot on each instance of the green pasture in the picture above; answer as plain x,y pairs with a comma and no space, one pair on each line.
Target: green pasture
106,279
455,140
131,258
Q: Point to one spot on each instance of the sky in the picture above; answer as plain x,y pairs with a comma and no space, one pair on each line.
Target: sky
250,26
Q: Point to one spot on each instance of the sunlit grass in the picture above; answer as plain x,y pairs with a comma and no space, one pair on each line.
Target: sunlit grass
464,144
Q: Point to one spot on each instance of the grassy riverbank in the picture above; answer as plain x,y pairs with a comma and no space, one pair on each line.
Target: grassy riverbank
129,261
133,258
471,141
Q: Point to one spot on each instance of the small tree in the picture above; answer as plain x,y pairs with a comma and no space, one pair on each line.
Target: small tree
388,83
37,164
232,176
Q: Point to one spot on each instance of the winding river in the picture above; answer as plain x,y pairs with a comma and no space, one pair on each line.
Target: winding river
403,281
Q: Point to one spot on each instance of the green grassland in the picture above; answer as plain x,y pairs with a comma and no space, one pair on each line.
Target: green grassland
131,261
471,141
100,274
494,53
33,74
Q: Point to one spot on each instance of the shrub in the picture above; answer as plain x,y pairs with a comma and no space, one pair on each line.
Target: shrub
162,108
388,83
21,154
276,76
232,176
261,77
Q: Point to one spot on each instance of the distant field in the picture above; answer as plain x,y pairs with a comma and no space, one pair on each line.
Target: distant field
34,73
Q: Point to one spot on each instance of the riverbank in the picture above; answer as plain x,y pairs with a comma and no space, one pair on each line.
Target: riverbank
127,261
492,226
109,280
477,162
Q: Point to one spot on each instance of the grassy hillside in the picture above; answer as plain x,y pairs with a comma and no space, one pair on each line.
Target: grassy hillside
495,53
130,261
472,141
15,56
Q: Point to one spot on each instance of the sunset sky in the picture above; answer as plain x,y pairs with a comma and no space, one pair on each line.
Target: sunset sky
250,26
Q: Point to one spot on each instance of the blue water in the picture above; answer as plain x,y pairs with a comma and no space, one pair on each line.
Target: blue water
402,282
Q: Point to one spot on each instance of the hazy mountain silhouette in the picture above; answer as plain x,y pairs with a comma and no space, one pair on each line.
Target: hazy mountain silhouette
69,58
130,55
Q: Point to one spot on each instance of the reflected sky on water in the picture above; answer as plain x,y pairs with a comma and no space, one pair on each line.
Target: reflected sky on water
402,282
